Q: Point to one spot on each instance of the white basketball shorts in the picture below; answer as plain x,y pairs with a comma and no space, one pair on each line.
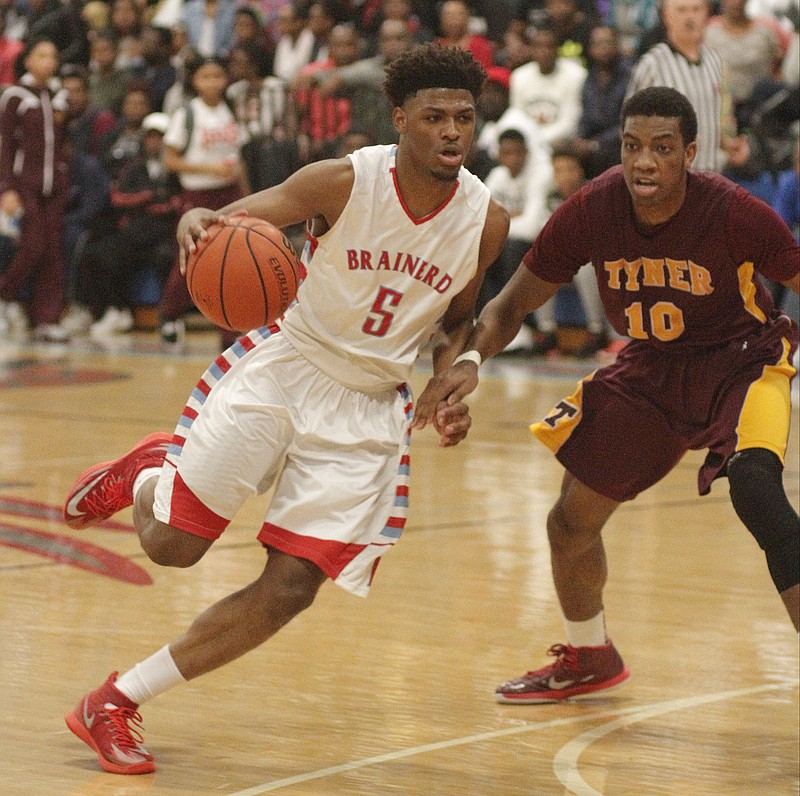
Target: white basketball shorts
262,414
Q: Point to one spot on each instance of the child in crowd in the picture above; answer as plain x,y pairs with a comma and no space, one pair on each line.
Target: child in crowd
124,141
510,184
106,82
202,146
569,177
146,202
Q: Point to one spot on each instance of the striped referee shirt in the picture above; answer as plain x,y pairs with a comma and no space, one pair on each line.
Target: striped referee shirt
700,81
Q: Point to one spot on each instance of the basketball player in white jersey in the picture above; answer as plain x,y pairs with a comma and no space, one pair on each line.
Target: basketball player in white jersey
319,405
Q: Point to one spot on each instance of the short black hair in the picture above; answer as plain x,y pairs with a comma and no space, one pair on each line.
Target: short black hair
74,70
106,34
565,149
255,53
544,25
666,102
512,134
193,65
300,9
247,11
164,34
432,66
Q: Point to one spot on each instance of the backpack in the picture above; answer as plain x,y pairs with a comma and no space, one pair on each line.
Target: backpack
187,107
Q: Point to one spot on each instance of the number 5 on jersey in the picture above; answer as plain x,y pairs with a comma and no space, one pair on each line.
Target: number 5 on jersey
378,321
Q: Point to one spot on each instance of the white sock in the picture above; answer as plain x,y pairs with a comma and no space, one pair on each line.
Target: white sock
151,677
591,633
144,475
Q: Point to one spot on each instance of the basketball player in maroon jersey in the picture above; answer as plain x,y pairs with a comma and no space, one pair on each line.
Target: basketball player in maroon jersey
708,366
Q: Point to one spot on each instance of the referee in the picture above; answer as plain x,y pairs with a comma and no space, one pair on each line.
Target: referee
684,63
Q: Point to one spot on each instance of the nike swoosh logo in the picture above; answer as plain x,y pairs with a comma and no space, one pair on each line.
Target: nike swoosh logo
87,719
127,757
557,685
72,506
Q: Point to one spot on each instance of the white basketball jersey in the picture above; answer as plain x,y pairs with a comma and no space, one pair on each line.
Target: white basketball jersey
379,280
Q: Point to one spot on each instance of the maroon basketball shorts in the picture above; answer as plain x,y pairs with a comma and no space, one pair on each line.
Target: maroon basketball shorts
628,424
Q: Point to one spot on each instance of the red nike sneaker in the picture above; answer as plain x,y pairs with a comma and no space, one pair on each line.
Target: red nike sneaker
577,672
107,721
106,488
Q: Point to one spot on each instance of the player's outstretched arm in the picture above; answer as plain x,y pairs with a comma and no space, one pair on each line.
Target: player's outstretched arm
452,420
496,327
317,190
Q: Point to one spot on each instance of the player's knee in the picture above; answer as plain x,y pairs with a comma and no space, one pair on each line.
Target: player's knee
557,529
296,598
287,587
756,484
566,536
287,599
754,475
170,547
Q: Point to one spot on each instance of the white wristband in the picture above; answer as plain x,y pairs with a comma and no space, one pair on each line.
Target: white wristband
472,356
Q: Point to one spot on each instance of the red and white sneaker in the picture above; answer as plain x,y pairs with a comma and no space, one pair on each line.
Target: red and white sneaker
107,721
577,672
107,488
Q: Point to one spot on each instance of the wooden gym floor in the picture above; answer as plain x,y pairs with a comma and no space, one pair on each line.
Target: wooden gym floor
393,694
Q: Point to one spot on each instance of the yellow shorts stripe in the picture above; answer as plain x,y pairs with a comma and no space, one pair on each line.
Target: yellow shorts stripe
766,411
747,290
555,429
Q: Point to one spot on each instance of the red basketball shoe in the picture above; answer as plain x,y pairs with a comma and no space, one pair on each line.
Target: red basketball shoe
577,672
106,488
107,721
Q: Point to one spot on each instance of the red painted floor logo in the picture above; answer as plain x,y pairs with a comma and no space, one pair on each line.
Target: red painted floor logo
57,373
66,549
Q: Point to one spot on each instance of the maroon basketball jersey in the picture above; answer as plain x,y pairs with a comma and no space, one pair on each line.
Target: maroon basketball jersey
688,282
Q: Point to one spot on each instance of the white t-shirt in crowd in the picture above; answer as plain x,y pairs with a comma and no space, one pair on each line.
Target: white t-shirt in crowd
216,137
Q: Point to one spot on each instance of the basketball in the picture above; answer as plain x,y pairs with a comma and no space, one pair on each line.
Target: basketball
244,275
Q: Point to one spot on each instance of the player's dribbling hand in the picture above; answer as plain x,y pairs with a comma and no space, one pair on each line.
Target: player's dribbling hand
194,228
445,389
452,422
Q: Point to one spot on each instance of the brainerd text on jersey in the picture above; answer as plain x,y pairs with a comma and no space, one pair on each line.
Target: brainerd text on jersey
401,262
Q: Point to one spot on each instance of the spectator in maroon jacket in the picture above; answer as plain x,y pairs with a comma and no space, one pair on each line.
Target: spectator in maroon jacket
34,170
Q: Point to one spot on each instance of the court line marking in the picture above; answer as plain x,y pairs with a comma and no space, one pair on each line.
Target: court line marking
637,713
565,763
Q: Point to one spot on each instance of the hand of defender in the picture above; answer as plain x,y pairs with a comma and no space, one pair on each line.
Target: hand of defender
452,423
194,229
445,391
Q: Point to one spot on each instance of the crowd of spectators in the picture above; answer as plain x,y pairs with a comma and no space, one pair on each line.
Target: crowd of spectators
116,115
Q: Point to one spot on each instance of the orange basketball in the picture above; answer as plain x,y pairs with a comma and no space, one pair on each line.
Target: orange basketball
245,275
